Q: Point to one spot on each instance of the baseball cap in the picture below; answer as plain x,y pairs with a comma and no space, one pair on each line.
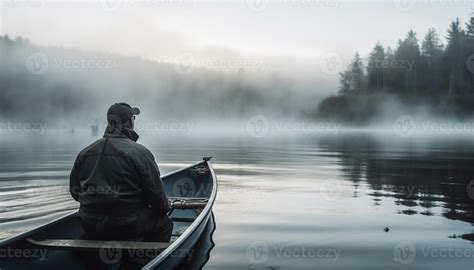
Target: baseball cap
121,111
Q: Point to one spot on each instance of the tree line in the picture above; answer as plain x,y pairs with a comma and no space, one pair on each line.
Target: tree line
426,69
37,85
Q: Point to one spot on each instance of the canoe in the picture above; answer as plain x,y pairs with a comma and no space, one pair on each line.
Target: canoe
60,244
202,250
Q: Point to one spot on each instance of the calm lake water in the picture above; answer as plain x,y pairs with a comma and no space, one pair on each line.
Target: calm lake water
288,202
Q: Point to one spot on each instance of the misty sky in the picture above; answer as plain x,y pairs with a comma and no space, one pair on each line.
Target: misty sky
164,29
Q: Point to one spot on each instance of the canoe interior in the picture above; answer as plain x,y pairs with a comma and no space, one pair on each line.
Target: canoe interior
192,183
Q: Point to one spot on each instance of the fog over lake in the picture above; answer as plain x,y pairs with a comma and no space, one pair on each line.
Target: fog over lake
342,132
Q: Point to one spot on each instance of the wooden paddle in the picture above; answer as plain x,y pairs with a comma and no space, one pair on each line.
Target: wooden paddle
188,204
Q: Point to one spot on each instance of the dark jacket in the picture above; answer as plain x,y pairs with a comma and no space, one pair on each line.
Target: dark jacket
116,174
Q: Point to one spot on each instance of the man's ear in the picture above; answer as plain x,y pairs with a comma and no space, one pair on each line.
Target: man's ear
128,124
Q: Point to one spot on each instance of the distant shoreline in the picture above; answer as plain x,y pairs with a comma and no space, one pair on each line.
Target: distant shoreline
362,110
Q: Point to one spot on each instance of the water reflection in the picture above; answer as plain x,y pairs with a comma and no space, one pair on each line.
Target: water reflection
429,178
289,193
201,252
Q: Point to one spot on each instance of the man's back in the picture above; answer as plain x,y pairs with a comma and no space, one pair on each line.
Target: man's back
118,185
113,173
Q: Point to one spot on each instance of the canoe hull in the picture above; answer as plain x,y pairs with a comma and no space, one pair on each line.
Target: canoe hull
181,253
195,182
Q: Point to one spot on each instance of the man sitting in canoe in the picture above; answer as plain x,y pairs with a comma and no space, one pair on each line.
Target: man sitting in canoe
118,185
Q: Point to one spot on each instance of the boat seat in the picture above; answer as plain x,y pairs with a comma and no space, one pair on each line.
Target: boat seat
73,244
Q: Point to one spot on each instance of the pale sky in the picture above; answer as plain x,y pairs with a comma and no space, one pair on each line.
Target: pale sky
163,29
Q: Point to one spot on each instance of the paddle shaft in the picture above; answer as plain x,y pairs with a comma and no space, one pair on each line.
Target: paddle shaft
187,205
